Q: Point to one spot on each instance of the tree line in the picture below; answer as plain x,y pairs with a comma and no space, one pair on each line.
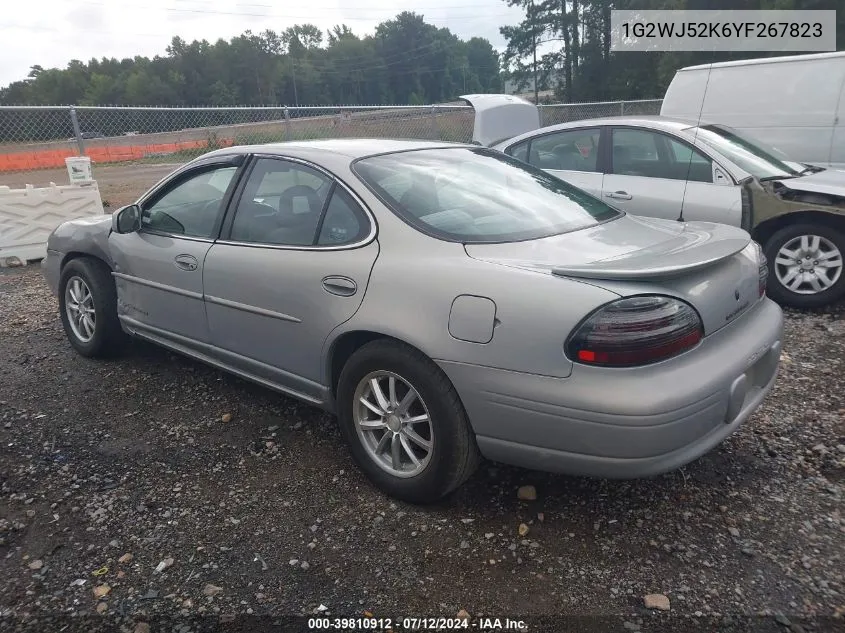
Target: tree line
574,38
406,61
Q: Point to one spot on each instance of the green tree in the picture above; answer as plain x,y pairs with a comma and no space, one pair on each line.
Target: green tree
407,57
580,64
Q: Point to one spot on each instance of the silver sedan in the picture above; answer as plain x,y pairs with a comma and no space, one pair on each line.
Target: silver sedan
446,301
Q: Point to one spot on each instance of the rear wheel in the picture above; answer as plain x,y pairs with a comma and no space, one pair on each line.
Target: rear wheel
88,308
404,422
806,265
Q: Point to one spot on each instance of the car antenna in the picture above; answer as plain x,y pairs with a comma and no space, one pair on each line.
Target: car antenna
694,139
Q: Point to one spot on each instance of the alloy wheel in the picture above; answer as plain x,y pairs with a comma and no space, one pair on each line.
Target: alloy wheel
393,424
808,264
79,306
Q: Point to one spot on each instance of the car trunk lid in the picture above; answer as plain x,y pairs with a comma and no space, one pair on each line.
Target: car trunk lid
711,266
499,117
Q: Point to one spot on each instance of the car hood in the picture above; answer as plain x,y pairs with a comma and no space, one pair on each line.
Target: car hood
630,247
829,181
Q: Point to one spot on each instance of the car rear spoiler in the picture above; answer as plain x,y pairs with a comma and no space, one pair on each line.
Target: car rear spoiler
499,117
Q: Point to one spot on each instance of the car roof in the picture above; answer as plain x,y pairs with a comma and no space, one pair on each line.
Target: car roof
351,148
765,60
656,122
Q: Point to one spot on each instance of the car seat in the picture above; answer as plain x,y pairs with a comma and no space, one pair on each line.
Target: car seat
569,158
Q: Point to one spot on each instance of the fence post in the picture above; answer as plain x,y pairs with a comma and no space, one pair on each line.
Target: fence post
287,124
435,132
76,131
622,108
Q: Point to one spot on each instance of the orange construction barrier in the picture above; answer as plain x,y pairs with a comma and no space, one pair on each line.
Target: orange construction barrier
53,158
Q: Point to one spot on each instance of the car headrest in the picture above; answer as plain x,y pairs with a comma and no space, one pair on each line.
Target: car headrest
299,200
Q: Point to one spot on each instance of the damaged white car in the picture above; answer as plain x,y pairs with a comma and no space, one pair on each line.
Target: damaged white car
688,170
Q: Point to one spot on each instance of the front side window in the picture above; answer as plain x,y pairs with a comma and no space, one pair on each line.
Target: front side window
656,155
571,150
478,195
699,168
192,207
634,153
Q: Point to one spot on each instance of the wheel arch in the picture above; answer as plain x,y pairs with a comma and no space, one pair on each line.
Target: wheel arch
765,230
343,346
68,257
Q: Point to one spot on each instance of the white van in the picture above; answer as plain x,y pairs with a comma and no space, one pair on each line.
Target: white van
794,103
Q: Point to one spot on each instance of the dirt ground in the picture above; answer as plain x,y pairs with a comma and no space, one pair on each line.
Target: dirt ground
119,184
126,499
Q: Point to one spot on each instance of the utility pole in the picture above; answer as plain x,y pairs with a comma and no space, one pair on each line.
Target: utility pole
293,71
464,68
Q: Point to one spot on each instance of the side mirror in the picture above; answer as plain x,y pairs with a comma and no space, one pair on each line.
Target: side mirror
127,219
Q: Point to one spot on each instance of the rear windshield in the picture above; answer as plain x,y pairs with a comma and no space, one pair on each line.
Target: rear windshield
478,195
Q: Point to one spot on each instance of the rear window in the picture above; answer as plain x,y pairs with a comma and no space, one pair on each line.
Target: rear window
478,195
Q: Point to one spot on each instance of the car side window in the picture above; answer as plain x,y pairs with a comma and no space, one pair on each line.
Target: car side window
634,153
570,150
657,155
698,166
281,204
519,151
344,221
192,207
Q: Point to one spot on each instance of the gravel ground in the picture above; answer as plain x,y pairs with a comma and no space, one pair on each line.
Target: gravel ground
153,487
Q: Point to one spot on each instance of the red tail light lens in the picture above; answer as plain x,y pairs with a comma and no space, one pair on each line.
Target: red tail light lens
636,331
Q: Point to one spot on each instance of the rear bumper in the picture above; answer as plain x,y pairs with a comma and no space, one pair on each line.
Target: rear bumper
626,423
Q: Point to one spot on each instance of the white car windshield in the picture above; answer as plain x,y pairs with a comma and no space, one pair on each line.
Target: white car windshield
478,195
759,160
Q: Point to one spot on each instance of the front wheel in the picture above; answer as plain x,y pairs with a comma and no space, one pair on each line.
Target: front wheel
806,265
404,423
88,308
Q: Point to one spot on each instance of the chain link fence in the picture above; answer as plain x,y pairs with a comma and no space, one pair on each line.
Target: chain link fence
40,137
555,113
133,147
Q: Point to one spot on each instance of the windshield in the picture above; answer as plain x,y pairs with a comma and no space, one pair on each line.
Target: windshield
478,195
761,161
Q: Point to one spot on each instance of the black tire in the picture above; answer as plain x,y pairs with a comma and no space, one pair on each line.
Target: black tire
783,295
108,338
454,455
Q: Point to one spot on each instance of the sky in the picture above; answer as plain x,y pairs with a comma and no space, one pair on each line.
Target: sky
50,33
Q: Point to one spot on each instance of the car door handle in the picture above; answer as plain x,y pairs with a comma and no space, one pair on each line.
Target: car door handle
619,195
342,286
185,262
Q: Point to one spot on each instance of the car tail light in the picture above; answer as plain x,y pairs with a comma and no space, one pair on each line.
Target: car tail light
747,217
636,331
